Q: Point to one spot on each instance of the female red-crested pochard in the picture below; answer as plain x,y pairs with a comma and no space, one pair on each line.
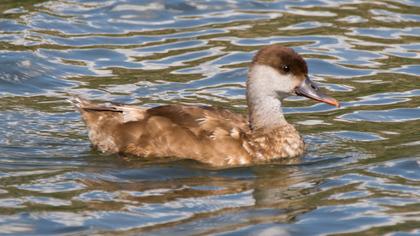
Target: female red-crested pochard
211,135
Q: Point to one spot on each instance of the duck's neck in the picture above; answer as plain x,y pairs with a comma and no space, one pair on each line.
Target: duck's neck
264,104
265,113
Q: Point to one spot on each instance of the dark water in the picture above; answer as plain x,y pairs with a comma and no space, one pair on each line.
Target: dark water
360,174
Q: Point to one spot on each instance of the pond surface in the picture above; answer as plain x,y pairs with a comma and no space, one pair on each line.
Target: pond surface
361,172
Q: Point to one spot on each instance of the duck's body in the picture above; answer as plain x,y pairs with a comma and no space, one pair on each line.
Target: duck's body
214,136
210,135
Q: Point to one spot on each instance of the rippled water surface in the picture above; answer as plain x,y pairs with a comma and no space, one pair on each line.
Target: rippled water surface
360,173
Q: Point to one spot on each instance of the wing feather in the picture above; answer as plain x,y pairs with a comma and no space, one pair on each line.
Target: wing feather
215,122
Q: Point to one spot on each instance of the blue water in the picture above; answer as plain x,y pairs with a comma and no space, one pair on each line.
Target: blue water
361,172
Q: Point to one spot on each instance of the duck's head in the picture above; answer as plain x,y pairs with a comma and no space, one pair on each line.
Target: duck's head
278,71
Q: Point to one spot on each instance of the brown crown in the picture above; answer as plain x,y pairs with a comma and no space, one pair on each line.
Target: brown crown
280,57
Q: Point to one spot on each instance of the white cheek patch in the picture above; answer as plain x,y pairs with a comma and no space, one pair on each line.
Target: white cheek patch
267,80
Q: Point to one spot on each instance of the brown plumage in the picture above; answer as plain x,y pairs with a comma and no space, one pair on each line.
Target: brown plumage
210,135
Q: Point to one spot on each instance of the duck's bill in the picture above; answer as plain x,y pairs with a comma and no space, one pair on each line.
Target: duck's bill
310,90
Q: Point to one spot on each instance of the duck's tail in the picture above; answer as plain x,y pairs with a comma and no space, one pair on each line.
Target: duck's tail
78,102
102,120
86,105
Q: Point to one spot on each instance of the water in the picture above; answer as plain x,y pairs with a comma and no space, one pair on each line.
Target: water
360,173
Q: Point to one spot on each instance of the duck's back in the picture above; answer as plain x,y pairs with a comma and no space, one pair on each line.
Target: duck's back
210,135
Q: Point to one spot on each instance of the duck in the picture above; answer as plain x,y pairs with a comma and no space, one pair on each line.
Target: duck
212,135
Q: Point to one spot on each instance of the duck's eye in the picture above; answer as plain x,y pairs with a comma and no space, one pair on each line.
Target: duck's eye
286,68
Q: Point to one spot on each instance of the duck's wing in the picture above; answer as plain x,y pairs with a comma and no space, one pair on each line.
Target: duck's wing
203,120
128,124
210,135
206,118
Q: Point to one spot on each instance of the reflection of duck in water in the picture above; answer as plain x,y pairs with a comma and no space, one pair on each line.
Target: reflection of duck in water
211,135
